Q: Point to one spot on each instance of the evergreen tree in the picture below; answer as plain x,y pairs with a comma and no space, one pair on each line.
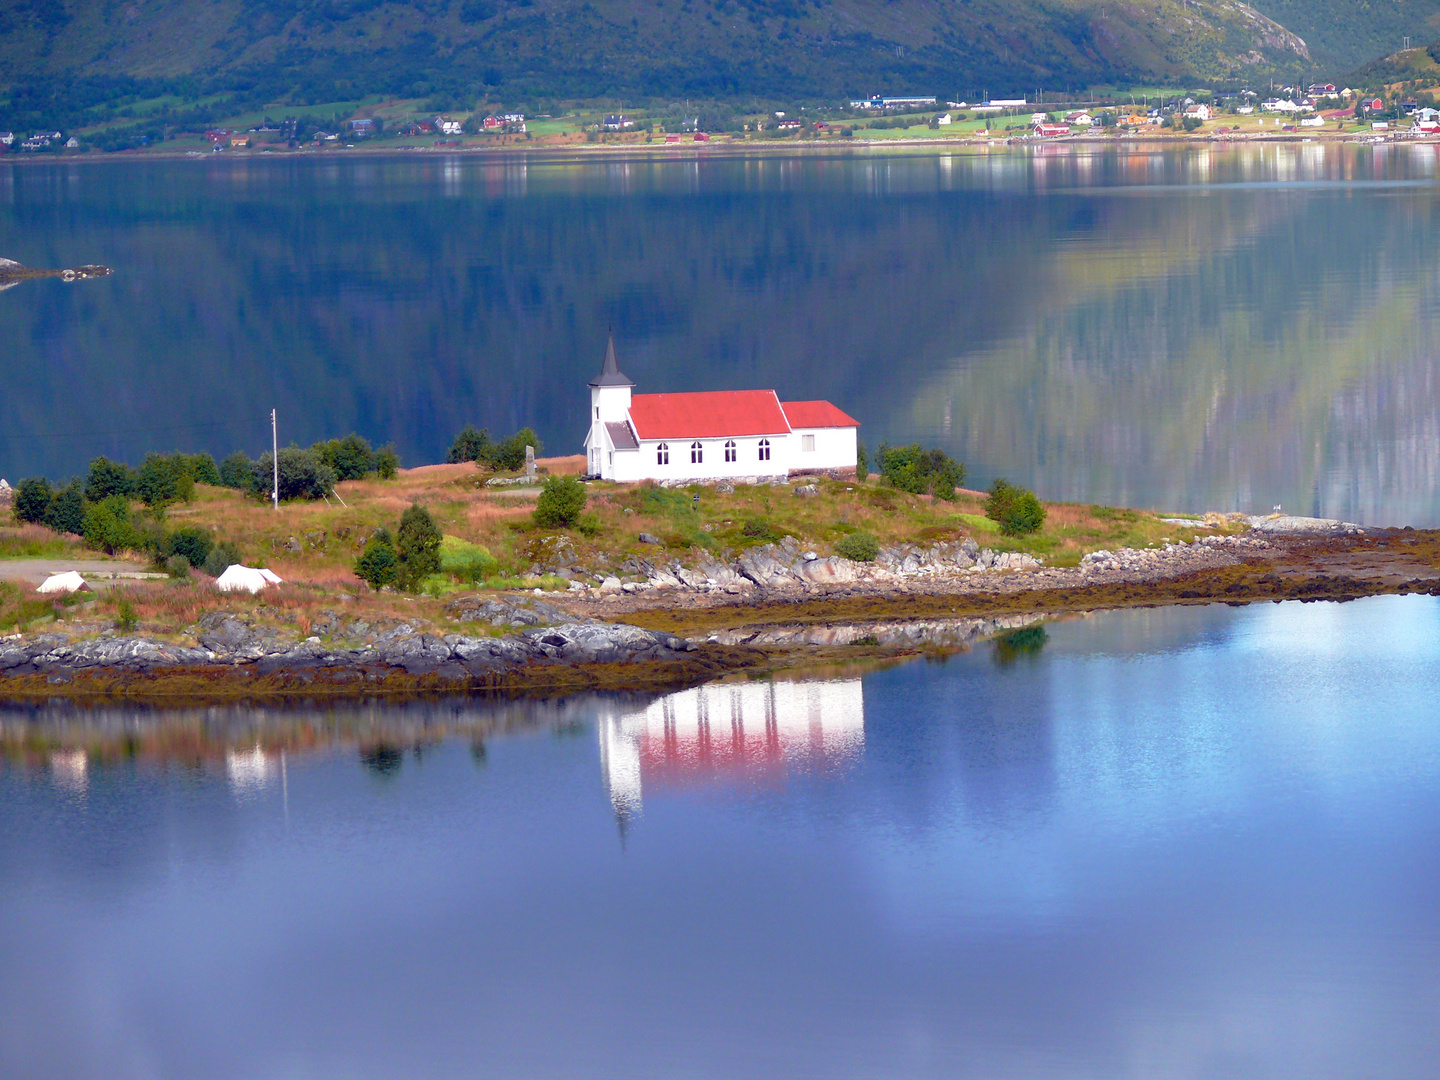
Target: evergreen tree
417,548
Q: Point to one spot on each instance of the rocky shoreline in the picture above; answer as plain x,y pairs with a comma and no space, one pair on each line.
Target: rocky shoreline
774,606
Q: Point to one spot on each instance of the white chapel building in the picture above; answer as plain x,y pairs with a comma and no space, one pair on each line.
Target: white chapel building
709,435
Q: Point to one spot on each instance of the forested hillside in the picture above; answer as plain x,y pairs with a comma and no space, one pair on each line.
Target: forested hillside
326,50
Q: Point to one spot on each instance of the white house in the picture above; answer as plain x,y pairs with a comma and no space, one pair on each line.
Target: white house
709,435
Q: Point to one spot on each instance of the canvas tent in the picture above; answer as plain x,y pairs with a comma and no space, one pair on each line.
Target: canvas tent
68,582
247,578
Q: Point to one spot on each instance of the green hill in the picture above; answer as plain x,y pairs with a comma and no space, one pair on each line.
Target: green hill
64,53
1342,37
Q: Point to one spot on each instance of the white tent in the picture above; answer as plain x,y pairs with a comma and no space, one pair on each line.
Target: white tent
68,582
248,578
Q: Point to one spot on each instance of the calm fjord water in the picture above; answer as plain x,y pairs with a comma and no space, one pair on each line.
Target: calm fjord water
1217,328
1193,842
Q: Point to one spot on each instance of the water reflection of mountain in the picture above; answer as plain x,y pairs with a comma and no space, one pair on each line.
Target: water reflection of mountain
1224,327
753,734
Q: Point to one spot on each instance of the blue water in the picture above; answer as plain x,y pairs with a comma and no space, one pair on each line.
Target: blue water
1198,842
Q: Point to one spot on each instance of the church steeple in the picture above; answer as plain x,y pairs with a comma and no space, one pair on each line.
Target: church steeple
610,373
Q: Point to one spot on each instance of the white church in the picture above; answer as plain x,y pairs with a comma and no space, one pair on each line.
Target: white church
710,435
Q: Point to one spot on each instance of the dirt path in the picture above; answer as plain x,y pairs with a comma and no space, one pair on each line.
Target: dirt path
37,570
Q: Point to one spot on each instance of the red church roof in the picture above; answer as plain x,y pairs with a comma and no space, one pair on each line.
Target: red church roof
808,414
710,415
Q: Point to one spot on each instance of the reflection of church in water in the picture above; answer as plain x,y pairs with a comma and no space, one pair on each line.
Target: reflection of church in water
750,732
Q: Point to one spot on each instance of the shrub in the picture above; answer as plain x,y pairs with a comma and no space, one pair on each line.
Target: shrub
758,529
191,542
1014,509
860,546
177,566
165,479
561,502
32,500
349,458
109,478
107,526
376,564
125,619
862,463
468,445
302,475
66,512
417,548
468,562
510,454
589,524
387,462
919,471
203,470
237,471
222,556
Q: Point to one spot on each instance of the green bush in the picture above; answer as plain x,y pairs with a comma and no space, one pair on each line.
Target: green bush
125,618
222,556
203,470
349,458
588,524
860,546
177,566
862,463
510,454
32,500
466,561
468,445
387,462
108,478
191,542
237,471
165,479
919,471
376,564
759,528
66,512
108,528
1014,509
302,475
417,548
561,502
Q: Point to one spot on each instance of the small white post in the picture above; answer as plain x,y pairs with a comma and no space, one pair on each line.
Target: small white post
275,461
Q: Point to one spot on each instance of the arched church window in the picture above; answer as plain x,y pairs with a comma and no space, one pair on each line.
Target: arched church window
730,450
764,449
662,454
697,453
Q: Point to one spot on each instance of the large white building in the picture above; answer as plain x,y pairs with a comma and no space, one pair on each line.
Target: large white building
711,435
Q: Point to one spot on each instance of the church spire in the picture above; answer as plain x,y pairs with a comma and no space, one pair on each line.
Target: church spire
610,373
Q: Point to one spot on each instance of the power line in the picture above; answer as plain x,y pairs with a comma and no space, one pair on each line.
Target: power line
209,425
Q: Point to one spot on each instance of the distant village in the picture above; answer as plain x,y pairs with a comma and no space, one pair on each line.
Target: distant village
1342,110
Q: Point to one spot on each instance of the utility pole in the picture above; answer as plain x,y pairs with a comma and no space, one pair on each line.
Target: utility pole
275,461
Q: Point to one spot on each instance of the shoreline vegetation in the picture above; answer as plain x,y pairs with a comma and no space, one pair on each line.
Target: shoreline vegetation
521,586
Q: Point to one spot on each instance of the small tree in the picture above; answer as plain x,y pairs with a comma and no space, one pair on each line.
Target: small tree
417,548
107,526
376,564
237,470
387,462
108,478
561,502
468,445
349,458
165,479
191,542
67,510
862,463
202,469
32,500
1015,509
860,546
302,475
510,454
222,556
919,471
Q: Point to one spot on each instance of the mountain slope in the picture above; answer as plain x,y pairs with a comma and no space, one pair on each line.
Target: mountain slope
816,49
1342,37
